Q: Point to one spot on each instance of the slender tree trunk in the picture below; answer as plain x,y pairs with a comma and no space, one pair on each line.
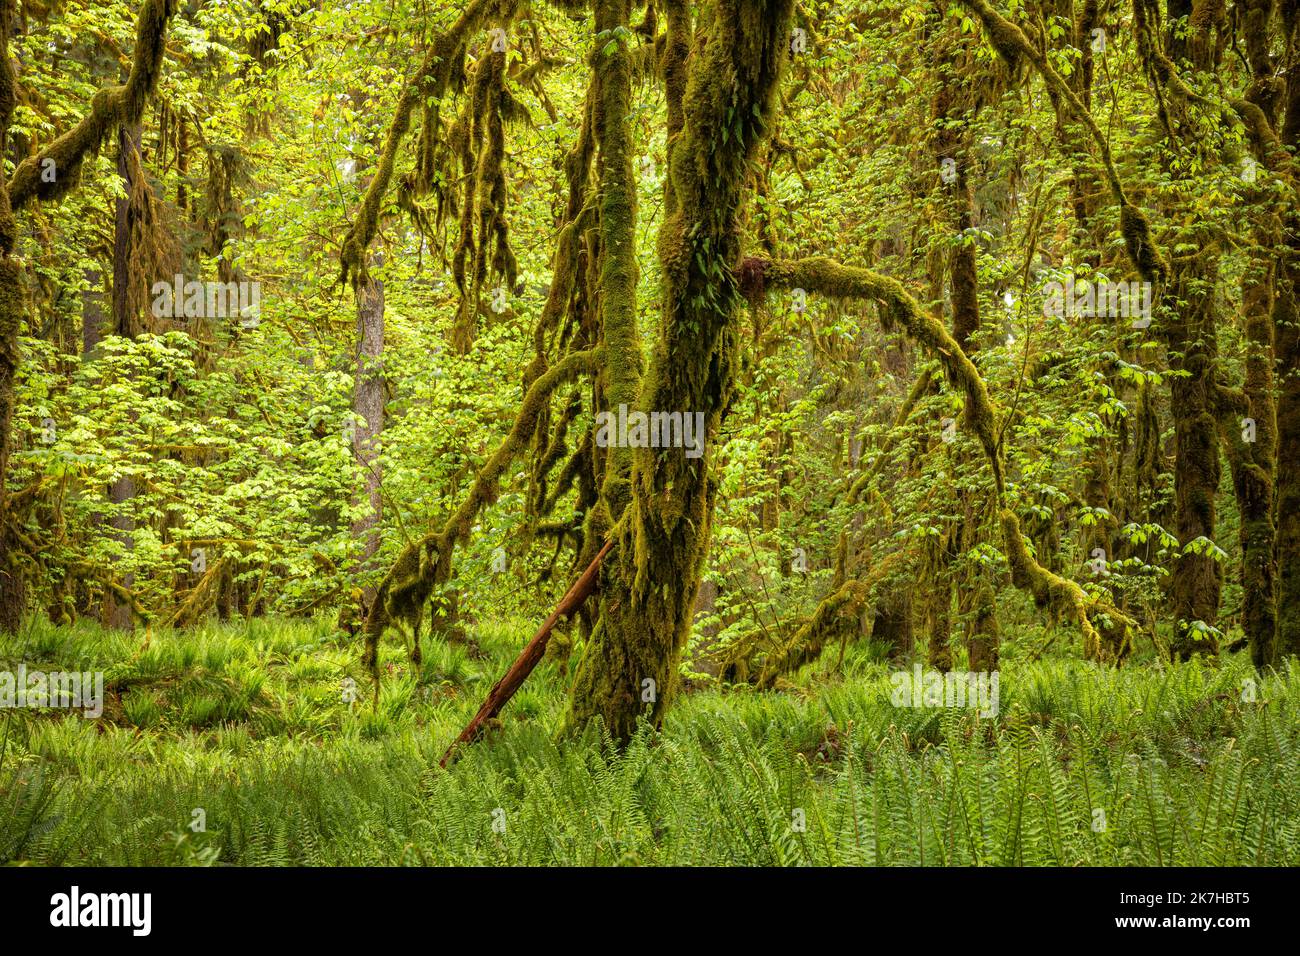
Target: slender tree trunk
125,323
368,391
13,594
368,408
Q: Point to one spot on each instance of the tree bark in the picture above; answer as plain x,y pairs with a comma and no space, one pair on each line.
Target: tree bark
650,581
125,323
368,408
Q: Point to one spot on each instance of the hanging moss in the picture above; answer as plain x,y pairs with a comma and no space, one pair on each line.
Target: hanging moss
650,578
154,251
1133,223
484,239
111,108
425,564
437,74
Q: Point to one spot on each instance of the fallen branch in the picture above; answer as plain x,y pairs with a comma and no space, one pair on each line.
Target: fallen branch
530,656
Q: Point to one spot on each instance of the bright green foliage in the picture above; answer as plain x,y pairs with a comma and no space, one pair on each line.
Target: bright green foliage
730,207
249,724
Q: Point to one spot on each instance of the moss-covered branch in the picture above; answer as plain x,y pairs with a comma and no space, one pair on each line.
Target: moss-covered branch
426,563
824,276
111,107
1010,41
431,80
1104,628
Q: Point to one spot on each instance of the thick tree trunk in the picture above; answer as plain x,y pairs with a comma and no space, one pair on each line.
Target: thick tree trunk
1197,577
1254,462
1286,317
939,608
1250,441
650,579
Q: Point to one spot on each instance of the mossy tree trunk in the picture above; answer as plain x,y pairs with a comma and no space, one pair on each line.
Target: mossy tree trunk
952,108
1286,326
12,593
650,579
1197,577
621,378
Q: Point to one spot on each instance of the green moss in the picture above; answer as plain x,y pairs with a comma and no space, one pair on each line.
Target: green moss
650,579
832,279
425,564
621,378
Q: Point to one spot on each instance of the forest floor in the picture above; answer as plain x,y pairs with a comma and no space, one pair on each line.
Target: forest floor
234,744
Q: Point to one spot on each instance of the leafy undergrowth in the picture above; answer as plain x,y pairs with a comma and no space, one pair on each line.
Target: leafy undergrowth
245,729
